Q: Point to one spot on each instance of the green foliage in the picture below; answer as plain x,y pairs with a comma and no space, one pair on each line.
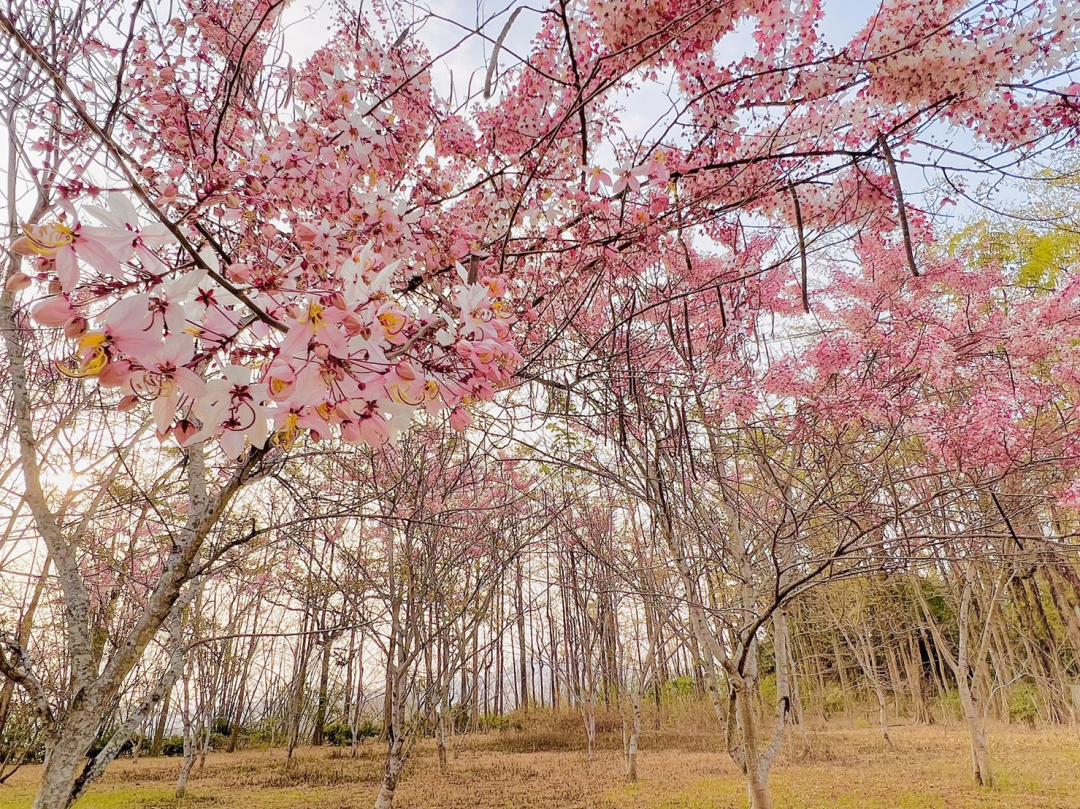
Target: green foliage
219,741
941,608
1046,256
172,746
339,734
1037,257
833,700
948,706
262,734
500,723
1023,703
679,689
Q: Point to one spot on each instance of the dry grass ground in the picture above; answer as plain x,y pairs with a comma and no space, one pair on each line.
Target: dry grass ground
542,769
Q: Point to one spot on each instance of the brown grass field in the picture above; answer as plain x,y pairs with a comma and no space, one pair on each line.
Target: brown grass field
827,766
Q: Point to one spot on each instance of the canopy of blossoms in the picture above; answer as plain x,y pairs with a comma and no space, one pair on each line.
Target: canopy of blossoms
263,251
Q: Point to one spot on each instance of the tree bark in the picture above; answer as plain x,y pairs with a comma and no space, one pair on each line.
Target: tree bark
634,736
189,744
395,764
159,730
317,735
64,761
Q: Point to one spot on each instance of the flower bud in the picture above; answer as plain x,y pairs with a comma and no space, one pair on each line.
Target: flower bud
18,282
460,419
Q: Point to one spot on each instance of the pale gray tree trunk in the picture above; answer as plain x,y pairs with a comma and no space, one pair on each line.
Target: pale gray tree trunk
634,735
588,718
395,765
440,738
64,762
95,684
969,651
397,750
973,714
757,778
189,741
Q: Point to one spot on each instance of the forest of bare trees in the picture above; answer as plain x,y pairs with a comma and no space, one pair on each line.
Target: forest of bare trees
467,590
643,371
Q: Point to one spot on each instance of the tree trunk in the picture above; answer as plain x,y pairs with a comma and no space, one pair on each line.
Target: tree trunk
523,665
358,702
395,763
757,781
757,790
913,664
159,731
588,715
883,713
973,716
318,733
440,740
64,762
980,748
635,734
296,702
841,672
189,745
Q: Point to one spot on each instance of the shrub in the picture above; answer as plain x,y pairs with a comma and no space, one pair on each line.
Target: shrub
219,741
834,700
172,746
948,706
369,729
501,722
1023,699
339,734
679,689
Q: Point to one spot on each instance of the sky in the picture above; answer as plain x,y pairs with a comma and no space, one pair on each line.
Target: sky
306,24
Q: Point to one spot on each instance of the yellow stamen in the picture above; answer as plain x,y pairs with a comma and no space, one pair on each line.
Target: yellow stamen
315,316
401,396
92,340
393,322
93,357
48,240
286,435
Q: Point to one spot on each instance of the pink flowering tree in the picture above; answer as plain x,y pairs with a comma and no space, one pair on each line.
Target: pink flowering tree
423,533
977,372
244,253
